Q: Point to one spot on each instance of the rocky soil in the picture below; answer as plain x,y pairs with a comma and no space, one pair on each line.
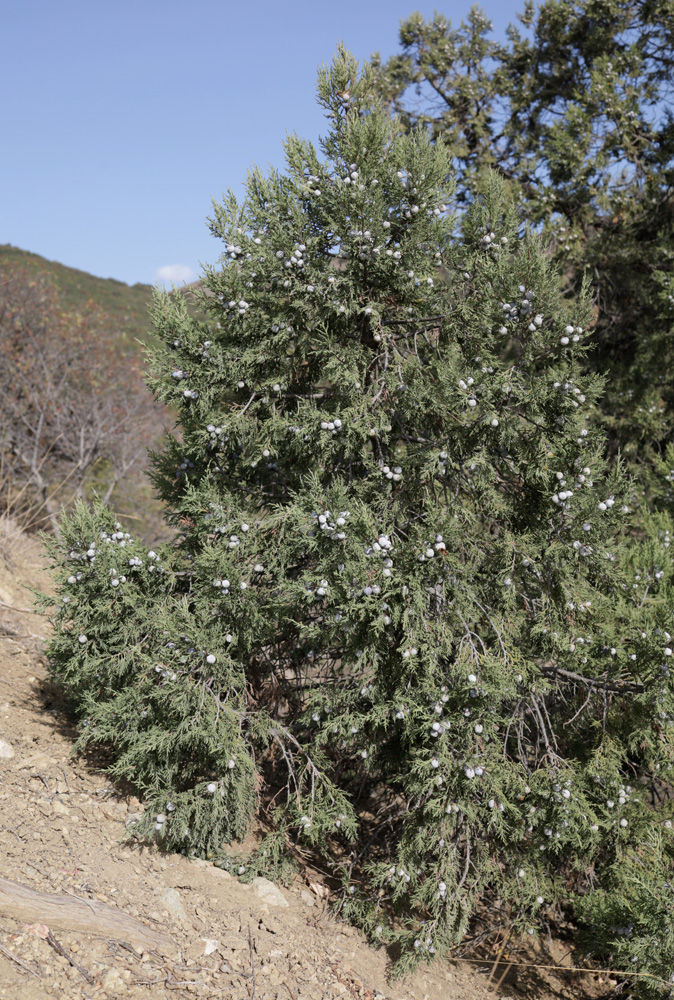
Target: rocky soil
127,921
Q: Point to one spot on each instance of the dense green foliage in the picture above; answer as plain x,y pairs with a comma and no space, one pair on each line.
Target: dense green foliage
575,112
404,611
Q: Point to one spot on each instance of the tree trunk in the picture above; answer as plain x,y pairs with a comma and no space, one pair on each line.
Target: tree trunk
77,914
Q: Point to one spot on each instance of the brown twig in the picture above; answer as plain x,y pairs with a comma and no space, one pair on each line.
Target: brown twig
37,868
252,963
352,985
621,687
24,611
497,985
61,951
128,947
82,899
11,829
168,979
573,968
497,960
21,635
14,958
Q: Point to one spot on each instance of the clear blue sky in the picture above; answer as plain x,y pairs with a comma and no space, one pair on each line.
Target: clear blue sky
122,120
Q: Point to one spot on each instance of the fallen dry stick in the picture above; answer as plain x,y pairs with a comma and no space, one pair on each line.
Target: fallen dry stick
73,913
8,954
24,611
61,951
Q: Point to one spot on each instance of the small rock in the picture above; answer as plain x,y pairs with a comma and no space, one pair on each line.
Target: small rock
37,761
268,892
202,947
233,943
307,897
171,900
6,751
113,983
221,873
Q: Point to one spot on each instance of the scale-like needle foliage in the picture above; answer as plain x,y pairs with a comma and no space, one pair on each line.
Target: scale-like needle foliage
396,615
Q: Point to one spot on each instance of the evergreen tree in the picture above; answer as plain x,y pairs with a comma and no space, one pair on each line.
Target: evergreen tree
397,611
575,111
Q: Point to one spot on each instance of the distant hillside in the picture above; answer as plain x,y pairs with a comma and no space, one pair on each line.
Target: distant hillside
126,305
93,431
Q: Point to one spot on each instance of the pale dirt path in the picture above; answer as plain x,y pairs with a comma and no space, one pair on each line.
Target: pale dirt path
60,824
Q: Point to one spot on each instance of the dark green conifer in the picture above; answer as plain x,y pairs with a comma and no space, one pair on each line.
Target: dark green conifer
398,593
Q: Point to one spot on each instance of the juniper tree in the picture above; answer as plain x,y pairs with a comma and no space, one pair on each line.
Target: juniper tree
396,611
574,111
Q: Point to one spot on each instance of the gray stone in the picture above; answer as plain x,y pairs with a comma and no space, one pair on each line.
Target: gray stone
171,900
112,983
268,892
6,751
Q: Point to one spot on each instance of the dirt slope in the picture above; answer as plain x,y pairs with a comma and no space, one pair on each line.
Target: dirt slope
129,922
